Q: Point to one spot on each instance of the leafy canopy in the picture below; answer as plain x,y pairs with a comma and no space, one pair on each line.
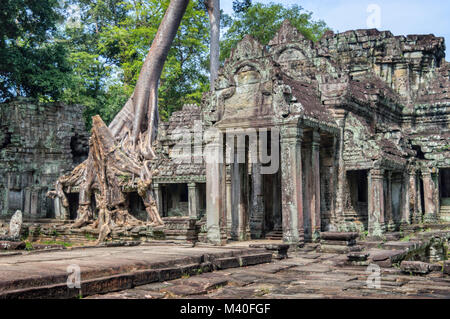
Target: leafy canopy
262,21
32,61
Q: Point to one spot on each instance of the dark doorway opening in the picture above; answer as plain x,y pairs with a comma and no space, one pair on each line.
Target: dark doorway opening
73,199
136,206
358,189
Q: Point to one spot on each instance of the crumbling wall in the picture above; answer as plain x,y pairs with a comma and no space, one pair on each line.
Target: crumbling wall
38,143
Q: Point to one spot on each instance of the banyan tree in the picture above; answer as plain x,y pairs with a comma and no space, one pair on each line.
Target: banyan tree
120,154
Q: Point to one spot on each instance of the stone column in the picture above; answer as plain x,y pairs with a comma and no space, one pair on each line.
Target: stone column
404,208
388,213
429,189
158,198
340,116
193,200
413,198
257,202
376,202
229,209
437,200
315,189
276,207
215,187
420,209
239,183
291,184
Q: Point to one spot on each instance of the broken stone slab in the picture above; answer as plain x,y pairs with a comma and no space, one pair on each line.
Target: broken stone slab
12,245
446,268
338,242
357,256
393,236
345,236
279,251
387,257
45,247
409,245
415,267
15,225
435,267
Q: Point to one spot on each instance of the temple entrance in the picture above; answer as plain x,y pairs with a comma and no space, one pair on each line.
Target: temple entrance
175,200
357,197
444,193
73,199
272,207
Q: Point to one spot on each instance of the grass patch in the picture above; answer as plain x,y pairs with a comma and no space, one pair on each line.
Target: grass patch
57,242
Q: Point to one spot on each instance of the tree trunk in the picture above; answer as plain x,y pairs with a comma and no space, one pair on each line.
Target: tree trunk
213,7
119,155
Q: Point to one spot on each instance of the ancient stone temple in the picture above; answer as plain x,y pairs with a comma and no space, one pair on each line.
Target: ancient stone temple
38,142
350,133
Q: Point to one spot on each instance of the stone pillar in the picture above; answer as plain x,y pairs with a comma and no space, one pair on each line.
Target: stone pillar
315,189
429,189
215,188
229,209
420,209
193,200
436,197
404,208
240,229
413,196
276,207
291,184
257,202
390,225
340,116
376,202
158,198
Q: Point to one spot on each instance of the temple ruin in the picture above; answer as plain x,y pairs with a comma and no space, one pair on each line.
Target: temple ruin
359,122
38,143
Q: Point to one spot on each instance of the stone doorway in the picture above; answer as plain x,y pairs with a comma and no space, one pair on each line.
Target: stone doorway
444,196
272,227
175,200
357,198
73,199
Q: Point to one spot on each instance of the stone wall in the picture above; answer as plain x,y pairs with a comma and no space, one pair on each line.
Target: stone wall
38,143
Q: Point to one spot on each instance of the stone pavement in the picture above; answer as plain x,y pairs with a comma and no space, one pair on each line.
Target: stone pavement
304,275
44,274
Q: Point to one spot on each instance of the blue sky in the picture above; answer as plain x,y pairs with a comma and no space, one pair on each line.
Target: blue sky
401,17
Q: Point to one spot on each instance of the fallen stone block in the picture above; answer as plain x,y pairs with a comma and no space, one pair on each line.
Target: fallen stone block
338,242
357,256
12,245
435,267
446,268
339,235
279,251
388,257
335,249
415,267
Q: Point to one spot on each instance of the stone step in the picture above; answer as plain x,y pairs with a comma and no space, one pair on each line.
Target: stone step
275,235
127,280
242,261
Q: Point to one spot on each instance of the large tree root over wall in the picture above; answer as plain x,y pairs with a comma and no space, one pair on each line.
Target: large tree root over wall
109,170
119,155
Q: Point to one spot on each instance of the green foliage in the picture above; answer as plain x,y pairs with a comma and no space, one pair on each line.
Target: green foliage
32,61
57,242
93,57
28,246
262,21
